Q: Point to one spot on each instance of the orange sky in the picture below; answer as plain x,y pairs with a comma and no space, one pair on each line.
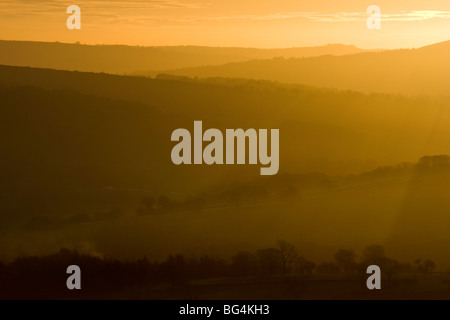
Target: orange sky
249,23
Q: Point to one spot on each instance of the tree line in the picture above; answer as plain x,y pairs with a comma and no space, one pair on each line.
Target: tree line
45,276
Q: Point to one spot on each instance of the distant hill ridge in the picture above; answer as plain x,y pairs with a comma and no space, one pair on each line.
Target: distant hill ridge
122,59
425,70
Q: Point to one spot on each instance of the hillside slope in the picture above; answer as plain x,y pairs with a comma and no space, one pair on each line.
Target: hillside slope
120,59
417,71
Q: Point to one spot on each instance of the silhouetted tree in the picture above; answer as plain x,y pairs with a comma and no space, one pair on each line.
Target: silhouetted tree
244,263
373,254
389,268
346,260
304,266
434,162
424,266
270,260
288,254
211,266
175,269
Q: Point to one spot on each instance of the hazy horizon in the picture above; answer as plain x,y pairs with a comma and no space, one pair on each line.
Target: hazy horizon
405,24
209,46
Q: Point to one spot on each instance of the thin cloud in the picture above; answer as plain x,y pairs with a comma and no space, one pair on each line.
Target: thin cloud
309,16
52,5
339,16
167,13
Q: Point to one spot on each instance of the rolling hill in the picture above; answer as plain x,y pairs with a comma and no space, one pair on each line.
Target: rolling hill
315,123
410,71
81,151
120,59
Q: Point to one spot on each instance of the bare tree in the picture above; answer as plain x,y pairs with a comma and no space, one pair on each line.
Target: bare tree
288,254
424,266
270,260
373,254
346,260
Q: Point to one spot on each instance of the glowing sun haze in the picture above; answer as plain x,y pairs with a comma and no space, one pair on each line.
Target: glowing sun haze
247,23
